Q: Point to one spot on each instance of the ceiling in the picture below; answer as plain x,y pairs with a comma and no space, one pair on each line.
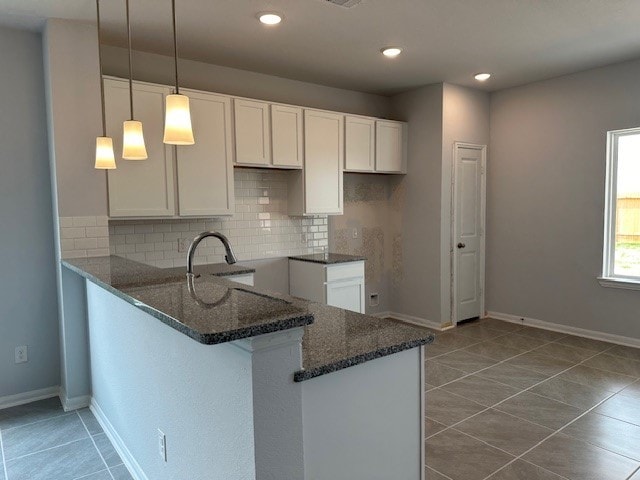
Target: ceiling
519,41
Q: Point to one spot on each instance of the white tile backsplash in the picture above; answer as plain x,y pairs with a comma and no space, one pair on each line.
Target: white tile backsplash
84,236
259,229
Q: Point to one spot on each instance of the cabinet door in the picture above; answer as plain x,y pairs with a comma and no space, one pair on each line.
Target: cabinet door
390,146
360,144
205,170
253,144
348,295
243,279
286,136
140,188
323,161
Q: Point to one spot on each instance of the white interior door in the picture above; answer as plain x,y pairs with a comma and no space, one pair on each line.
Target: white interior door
468,238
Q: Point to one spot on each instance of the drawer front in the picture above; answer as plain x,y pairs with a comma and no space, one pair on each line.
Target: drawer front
345,271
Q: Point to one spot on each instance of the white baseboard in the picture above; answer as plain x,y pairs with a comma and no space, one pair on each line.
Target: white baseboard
28,397
130,462
423,322
556,327
73,403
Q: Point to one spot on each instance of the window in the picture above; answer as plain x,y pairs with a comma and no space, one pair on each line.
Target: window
622,212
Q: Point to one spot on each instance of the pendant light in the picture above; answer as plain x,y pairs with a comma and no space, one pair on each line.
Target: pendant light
105,159
177,122
133,147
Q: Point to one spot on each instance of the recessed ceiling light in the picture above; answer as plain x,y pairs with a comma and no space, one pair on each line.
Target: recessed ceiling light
482,77
270,18
391,52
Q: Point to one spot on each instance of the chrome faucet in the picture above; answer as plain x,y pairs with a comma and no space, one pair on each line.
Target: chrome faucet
229,257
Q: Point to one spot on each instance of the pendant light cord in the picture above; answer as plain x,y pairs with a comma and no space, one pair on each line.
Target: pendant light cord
175,43
130,63
104,117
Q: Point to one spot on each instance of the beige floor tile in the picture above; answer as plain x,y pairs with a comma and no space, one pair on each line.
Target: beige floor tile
447,408
541,334
540,363
448,342
513,376
461,457
481,390
521,470
632,391
504,431
611,363
586,343
578,460
606,432
431,427
540,410
565,352
513,340
621,407
626,352
491,349
437,374
465,361
480,332
431,474
500,325
596,378
572,393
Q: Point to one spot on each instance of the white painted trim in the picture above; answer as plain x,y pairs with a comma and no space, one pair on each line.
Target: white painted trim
556,327
129,461
28,397
483,225
73,403
619,282
422,322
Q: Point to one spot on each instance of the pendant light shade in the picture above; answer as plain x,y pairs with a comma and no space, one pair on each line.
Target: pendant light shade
177,123
133,147
105,158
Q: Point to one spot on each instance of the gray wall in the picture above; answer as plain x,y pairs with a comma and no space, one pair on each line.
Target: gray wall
546,179
416,285
151,67
28,306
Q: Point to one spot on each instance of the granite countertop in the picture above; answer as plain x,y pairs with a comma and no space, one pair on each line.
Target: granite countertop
214,310
328,258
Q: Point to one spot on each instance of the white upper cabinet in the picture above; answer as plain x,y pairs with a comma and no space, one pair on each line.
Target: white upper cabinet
318,189
360,144
253,132
286,136
140,188
205,170
390,147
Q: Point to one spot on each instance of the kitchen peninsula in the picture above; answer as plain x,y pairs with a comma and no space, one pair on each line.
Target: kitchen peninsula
240,383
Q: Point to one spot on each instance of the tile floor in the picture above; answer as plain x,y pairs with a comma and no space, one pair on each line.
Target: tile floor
40,441
507,402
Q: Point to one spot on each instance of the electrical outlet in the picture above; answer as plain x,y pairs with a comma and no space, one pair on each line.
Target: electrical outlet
183,244
22,354
374,300
355,233
162,445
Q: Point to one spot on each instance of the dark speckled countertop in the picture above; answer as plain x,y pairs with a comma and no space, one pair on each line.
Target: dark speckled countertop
328,258
223,311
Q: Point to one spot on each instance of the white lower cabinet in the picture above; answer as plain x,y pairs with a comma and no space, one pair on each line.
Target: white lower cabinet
339,285
245,279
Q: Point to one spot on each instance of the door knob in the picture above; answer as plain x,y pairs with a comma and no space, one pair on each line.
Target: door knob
461,245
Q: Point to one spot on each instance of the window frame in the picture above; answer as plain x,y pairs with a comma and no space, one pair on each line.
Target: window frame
609,278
